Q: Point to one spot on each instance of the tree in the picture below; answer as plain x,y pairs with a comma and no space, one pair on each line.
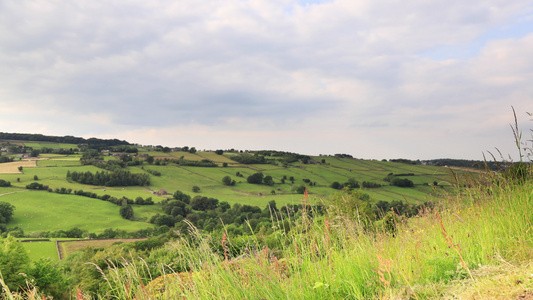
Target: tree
256,178
300,189
4,183
271,206
36,186
179,195
336,185
219,152
227,181
126,212
6,212
125,157
196,189
35,177
402,182
203,203
224,205
35,153
352,183
150,159
268,180
192,150
48,278
14,260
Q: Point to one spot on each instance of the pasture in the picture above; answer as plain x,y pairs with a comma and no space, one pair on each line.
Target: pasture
38,211
41,249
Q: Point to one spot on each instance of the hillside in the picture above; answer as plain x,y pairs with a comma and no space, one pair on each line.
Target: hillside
317,174
397,230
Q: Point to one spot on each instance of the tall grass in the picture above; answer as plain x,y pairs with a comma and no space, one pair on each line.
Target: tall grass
338,257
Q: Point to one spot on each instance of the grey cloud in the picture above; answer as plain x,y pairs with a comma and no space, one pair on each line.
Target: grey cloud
167,63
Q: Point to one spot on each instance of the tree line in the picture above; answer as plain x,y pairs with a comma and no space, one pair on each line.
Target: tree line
114,178
91,142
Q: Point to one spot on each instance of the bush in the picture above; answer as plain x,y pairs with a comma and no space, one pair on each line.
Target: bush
402,182
256,178
336,185
126,212
301,189
36,186
227,181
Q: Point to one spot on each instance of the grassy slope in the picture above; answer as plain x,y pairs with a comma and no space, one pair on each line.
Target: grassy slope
51,171
43,211
477,246
37,250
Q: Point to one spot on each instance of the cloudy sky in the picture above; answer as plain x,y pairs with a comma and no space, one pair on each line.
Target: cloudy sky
371,78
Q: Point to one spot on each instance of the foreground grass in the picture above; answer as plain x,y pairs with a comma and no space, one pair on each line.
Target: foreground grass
477,245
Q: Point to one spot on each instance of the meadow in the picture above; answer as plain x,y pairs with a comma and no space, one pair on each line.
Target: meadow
40,211
473,242
51,169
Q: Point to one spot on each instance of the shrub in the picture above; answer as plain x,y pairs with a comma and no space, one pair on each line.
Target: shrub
402,182
227,181
126,212
336,185
256,178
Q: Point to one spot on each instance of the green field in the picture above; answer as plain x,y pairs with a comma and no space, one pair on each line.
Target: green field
40,145
41,249
43,211
38,211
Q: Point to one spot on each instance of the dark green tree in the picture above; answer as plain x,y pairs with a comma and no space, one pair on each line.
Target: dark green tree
352,183
179,195
300,189
48,278
256,178
6,212
402,182
268,180
227,181
126,212
150,159
14,261
336,185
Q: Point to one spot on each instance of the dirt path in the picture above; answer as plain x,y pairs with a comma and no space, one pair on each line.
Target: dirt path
12,193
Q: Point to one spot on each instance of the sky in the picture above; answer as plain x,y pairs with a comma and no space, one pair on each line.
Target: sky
376,79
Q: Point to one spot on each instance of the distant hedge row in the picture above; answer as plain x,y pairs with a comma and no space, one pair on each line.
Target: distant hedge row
114,178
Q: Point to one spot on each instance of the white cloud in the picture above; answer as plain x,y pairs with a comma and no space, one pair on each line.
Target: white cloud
319,74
